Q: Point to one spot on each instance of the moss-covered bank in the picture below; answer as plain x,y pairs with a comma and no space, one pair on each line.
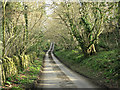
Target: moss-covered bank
12,66
102,68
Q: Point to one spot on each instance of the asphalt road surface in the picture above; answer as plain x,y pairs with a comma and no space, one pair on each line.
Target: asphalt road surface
57,75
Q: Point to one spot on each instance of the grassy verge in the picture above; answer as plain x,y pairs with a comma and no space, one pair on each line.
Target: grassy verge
101,68
26,78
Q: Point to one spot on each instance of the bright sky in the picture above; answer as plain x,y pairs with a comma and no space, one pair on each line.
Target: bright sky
48,10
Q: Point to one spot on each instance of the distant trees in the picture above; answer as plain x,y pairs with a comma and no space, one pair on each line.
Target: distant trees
56,32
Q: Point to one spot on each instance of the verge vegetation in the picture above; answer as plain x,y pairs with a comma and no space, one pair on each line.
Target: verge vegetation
102,68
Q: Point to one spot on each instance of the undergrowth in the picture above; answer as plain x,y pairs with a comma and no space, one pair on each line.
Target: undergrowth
25,78
102,67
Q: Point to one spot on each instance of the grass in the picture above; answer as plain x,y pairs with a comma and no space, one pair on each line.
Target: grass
25,78
102,67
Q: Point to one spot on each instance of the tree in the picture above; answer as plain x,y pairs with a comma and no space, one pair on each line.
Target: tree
15,25
3,26
26,22
85,22
118,36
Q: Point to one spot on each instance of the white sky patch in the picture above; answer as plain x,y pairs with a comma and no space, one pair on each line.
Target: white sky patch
62,0
48,1
48,9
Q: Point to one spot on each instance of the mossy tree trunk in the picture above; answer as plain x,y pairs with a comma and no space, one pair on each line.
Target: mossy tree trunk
119,26
0,73
26,21
84,31
3,28
118,38
3,34
25,35
86,49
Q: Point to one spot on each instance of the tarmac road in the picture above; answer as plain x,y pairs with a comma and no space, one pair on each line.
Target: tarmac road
57,75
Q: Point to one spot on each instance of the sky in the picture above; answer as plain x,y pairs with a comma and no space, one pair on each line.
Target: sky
48,10
62,0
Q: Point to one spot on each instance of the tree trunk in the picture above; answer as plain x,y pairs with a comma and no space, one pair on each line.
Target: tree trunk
26,22
118,39
25,36
88,51
3,30
92,50
118,36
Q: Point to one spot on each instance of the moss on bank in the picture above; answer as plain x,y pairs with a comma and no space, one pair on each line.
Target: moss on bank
21,70
102,67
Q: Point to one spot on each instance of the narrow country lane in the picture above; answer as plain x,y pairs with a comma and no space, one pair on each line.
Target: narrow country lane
78,39
56,75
